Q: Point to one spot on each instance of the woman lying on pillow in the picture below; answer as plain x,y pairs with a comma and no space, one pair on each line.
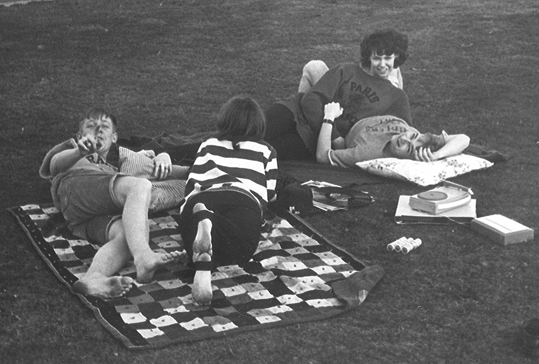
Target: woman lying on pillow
382,137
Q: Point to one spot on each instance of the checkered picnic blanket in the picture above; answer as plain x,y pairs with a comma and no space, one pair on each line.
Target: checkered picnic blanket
296,275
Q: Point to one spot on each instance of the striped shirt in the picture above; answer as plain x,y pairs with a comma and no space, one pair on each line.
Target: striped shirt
252,166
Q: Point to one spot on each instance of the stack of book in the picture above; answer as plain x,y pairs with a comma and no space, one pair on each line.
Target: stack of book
448,203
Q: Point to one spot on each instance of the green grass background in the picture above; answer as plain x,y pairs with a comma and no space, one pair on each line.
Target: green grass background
167,66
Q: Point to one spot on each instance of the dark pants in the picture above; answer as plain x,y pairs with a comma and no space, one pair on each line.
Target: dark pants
282,135
237,225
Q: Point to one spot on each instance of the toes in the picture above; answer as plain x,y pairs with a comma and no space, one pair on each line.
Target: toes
175,255
126,283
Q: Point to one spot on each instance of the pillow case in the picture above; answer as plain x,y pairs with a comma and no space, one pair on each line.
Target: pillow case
424,173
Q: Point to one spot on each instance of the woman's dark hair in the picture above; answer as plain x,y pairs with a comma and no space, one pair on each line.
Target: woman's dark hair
384,42
241,118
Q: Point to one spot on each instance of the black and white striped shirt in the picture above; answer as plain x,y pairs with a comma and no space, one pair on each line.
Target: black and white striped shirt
251,166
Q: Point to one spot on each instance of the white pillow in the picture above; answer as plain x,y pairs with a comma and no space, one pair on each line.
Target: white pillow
424,173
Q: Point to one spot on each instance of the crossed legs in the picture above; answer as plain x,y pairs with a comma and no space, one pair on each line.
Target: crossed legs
99,280
128,238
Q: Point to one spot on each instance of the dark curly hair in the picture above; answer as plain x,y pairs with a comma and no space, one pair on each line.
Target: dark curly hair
384,42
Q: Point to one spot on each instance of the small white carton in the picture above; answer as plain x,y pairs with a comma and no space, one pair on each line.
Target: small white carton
502,229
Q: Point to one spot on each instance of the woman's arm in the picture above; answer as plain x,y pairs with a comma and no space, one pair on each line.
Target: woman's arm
338,143
454,144
331,111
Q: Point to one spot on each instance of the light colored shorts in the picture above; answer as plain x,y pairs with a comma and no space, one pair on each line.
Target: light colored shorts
87,201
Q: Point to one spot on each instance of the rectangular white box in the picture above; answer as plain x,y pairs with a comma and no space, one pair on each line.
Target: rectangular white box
502,229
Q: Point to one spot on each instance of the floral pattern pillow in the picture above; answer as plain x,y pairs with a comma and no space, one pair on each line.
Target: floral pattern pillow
423,173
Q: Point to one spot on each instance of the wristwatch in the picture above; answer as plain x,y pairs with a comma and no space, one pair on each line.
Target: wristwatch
327,121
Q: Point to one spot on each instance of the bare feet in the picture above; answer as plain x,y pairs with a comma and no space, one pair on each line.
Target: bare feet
202,242
103,287
202,290
148,264
202,253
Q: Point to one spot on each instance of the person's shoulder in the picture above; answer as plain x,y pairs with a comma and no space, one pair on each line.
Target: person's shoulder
267,145
258,144
210,141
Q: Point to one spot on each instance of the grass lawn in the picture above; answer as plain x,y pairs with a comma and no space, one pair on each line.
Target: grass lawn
167,66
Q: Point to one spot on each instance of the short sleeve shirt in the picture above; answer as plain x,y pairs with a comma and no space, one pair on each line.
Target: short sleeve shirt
367,139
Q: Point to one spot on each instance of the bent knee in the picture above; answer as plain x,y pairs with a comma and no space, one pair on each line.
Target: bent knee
142,186
315,67
312,72
129,185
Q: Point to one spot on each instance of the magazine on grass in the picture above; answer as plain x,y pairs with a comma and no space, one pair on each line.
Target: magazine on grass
332,197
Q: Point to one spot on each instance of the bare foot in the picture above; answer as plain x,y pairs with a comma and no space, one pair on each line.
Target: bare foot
202,242
202,289
148,264
202,253
103,287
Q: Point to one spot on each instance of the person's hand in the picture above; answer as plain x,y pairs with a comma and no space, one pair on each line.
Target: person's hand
424,155
148,153
87,144
162,166
332,111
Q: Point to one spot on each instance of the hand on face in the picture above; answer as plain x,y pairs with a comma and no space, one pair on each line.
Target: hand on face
403,145
100,133
87,144
424,155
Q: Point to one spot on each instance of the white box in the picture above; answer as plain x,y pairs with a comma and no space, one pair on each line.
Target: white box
502,229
